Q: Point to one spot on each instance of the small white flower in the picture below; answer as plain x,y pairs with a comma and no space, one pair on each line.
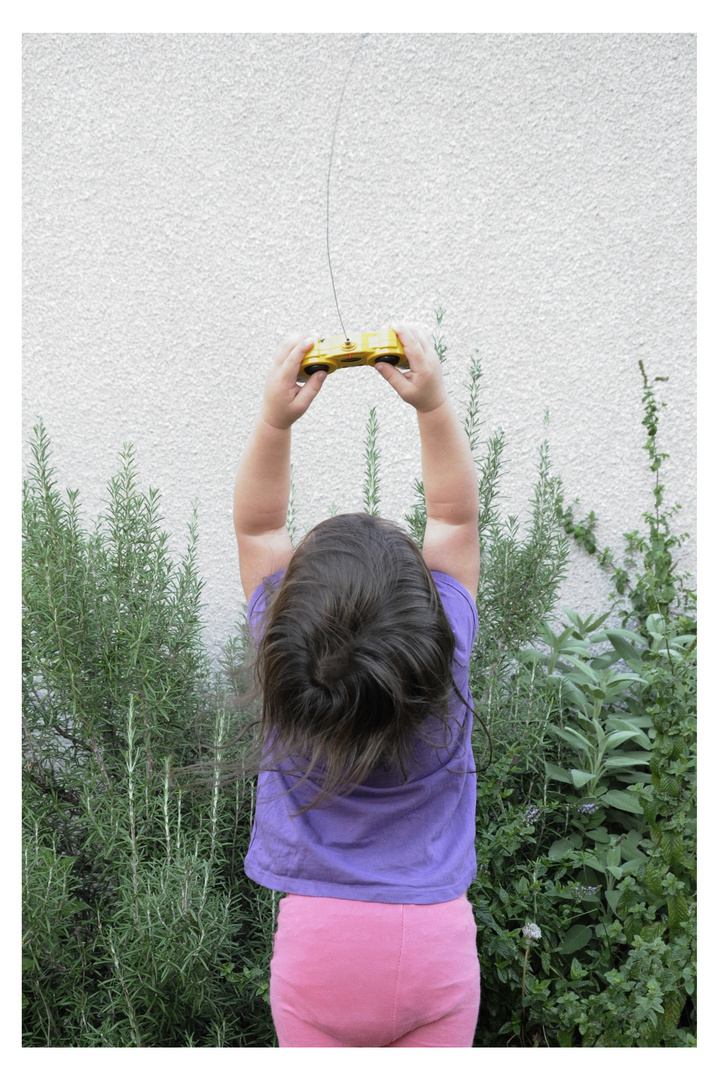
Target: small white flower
532,932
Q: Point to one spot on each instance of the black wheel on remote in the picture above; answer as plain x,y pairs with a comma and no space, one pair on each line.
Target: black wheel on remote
387,360
312,368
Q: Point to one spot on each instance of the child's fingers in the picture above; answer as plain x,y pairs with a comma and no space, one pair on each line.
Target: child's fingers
426,342
405,334
289,345
412,344
311,388
285,347
395,378
308,392
291,363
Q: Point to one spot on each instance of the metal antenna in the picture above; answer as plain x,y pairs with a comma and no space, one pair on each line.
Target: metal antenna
329,171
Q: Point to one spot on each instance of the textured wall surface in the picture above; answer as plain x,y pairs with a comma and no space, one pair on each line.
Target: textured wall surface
540,188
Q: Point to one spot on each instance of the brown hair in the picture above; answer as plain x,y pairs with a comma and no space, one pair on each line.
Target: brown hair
354,655
353,662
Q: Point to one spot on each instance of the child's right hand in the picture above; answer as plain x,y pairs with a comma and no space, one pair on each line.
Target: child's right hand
422,386
285,401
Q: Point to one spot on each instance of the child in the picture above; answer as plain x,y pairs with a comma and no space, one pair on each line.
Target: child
366,799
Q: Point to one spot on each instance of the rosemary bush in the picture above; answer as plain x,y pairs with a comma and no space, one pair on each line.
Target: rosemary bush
139,926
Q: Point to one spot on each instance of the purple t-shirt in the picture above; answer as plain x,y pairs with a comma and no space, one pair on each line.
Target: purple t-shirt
386,841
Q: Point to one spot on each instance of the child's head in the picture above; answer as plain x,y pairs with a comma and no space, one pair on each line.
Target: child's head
356,649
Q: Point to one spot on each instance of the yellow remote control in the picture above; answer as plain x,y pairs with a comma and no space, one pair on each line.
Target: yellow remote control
330,353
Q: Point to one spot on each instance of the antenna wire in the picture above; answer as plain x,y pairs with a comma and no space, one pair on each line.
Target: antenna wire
329,171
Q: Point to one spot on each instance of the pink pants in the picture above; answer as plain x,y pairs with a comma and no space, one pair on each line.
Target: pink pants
353,973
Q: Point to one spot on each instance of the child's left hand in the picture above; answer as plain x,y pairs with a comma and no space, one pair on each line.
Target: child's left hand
285,401
422,385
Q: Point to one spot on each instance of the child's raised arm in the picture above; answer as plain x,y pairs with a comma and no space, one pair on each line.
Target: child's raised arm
262,487
451,540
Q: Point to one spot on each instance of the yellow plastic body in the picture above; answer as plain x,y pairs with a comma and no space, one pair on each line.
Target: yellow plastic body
331,353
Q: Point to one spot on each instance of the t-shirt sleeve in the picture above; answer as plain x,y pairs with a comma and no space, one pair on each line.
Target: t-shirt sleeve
258,603
462,614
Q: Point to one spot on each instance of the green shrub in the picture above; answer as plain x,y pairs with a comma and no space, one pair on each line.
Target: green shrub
139,926
586,820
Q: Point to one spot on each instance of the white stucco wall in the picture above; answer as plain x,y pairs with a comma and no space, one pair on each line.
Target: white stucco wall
541,188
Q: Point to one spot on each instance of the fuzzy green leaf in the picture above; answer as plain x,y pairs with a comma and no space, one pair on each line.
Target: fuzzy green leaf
618,724
612,896
631,655
619,737
572,736
626,761
560,848
621,800
575,939
557,773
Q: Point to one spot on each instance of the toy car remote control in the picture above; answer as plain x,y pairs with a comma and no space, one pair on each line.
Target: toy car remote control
331,353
